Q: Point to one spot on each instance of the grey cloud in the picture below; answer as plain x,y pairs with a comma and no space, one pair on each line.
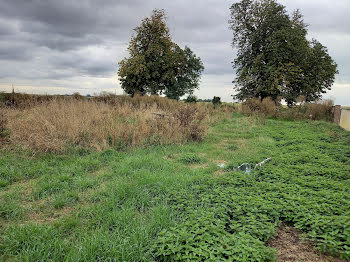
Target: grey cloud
72,18
64,43
14,51
216,57
55,41
83,66
323,15
8,27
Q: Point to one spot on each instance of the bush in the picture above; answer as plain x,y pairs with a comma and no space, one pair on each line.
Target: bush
320,110
77,96
190,118
216,100
269,106
254,105
191,99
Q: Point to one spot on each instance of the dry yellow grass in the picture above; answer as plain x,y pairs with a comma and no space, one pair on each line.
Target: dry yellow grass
58,124
319,110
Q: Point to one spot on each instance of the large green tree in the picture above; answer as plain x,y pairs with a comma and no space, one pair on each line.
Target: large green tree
187,79
274,56
157,65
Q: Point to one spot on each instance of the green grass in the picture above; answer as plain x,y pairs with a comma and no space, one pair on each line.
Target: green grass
174,202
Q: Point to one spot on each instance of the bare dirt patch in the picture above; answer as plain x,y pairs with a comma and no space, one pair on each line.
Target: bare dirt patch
291,247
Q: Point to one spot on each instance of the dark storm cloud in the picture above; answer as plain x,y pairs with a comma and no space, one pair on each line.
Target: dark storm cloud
57,41
69,26
65,25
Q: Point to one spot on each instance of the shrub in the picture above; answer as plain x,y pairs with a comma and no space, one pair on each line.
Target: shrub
320,110
77,96
191,99
269,106
190,118
255,105
216,100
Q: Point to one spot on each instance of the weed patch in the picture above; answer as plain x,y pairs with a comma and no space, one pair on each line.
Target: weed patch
58,125
152,204
190,159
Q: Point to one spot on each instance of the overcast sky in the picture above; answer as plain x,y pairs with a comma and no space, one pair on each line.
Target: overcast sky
65,46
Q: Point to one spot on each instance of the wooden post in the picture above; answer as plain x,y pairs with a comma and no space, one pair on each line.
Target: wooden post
336,114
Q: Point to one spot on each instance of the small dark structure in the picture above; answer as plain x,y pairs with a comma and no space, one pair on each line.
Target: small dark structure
216,100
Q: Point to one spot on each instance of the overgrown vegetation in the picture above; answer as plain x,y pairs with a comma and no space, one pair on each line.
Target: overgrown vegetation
103,122
123,178
319,110
167,203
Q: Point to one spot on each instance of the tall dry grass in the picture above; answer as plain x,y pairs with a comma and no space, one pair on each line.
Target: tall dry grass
319,110
24,101
255,106
3,122
58,124
161,103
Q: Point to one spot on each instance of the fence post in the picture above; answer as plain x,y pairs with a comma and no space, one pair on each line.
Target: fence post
336,114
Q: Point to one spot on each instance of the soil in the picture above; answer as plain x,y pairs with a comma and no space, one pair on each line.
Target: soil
291,247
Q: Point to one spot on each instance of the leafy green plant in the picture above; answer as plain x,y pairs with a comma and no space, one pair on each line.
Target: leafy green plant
190,158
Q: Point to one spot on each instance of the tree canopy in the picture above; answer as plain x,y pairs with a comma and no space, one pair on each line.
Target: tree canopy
274,56
157,65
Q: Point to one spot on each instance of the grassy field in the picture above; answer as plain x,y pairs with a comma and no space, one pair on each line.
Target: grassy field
167,203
